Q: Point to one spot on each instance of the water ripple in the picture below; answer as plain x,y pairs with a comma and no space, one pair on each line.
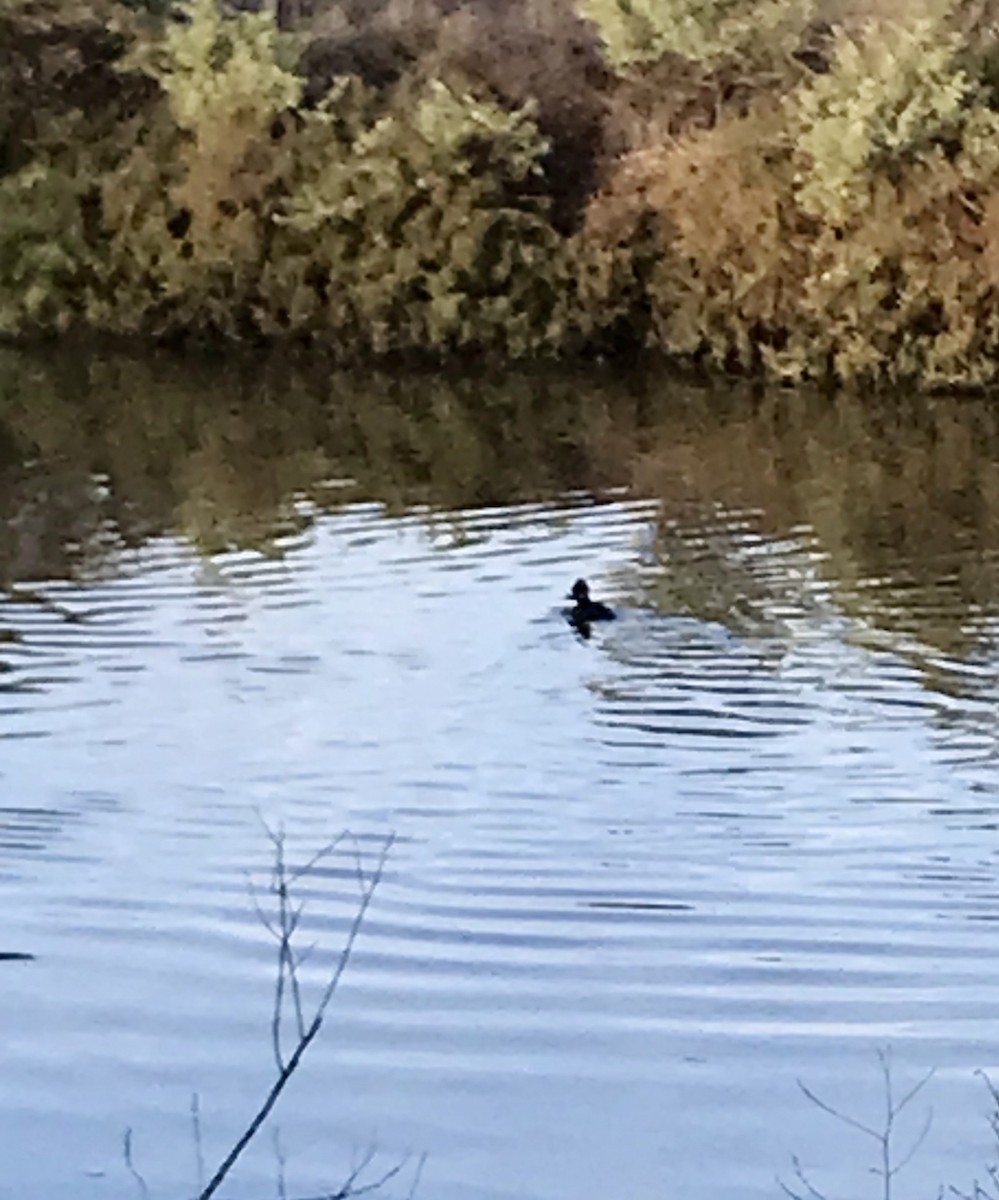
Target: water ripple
638,881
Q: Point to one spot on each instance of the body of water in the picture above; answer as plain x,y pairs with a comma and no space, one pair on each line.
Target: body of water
641,884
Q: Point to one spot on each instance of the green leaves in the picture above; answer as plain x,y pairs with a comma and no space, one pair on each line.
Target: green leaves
640,31
424,226
44,256
164,176
895,86
221,71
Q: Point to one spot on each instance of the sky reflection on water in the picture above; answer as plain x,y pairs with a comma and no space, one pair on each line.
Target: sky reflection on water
743,835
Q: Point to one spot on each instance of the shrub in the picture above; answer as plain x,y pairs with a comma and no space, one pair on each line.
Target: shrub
908,293
44,254
58,60
66,96
186,210
708,212
421,231
637,31
809,189
536,52
410,221
848,231
515,53
894,87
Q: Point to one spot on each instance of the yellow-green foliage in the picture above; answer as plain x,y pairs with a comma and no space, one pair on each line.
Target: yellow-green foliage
744,276
60,104
422,231
186,210
43,249
164,177
417,222
221,74
910,292
637,31
895,86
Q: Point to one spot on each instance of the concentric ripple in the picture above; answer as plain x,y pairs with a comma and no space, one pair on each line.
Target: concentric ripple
641,883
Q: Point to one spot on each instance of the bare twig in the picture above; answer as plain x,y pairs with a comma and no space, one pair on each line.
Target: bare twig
913,1092
889,1164
417,1175
840,1116
284,928
809,1193
978,1192
352,1186
916,1144
331,847
130,1164
199,1151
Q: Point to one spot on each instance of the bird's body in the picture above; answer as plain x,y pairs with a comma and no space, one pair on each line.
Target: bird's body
586,610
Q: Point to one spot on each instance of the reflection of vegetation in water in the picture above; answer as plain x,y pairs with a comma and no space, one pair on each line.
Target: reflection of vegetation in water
172,449
225,454
893,510
768,505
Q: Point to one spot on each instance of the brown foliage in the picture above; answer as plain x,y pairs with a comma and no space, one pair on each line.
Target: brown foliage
907,289
713,205
666,99
540,51
513,52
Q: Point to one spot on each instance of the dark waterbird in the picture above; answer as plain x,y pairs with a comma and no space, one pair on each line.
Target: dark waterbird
586,610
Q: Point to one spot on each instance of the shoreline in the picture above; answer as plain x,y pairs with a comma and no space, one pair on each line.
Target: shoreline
808,194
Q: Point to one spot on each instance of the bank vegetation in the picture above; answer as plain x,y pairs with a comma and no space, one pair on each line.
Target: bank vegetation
795,189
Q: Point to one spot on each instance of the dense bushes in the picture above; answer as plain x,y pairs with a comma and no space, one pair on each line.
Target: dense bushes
840,226
807,188
416,221
699,30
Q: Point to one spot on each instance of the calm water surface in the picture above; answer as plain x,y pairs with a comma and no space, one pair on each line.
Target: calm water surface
641,884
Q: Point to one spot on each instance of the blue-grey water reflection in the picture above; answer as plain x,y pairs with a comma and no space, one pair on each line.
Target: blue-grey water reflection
746,833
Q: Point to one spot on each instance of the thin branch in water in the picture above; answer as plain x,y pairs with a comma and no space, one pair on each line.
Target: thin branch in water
888,1166
262,917
375,1185
917,1142
310,1030
305,954
199,1153
914,1091
840,1116
978,1192
417,1175
130,1164
293,964
360,1166
351,1187
277,1011
367,895
810,1192
330,848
